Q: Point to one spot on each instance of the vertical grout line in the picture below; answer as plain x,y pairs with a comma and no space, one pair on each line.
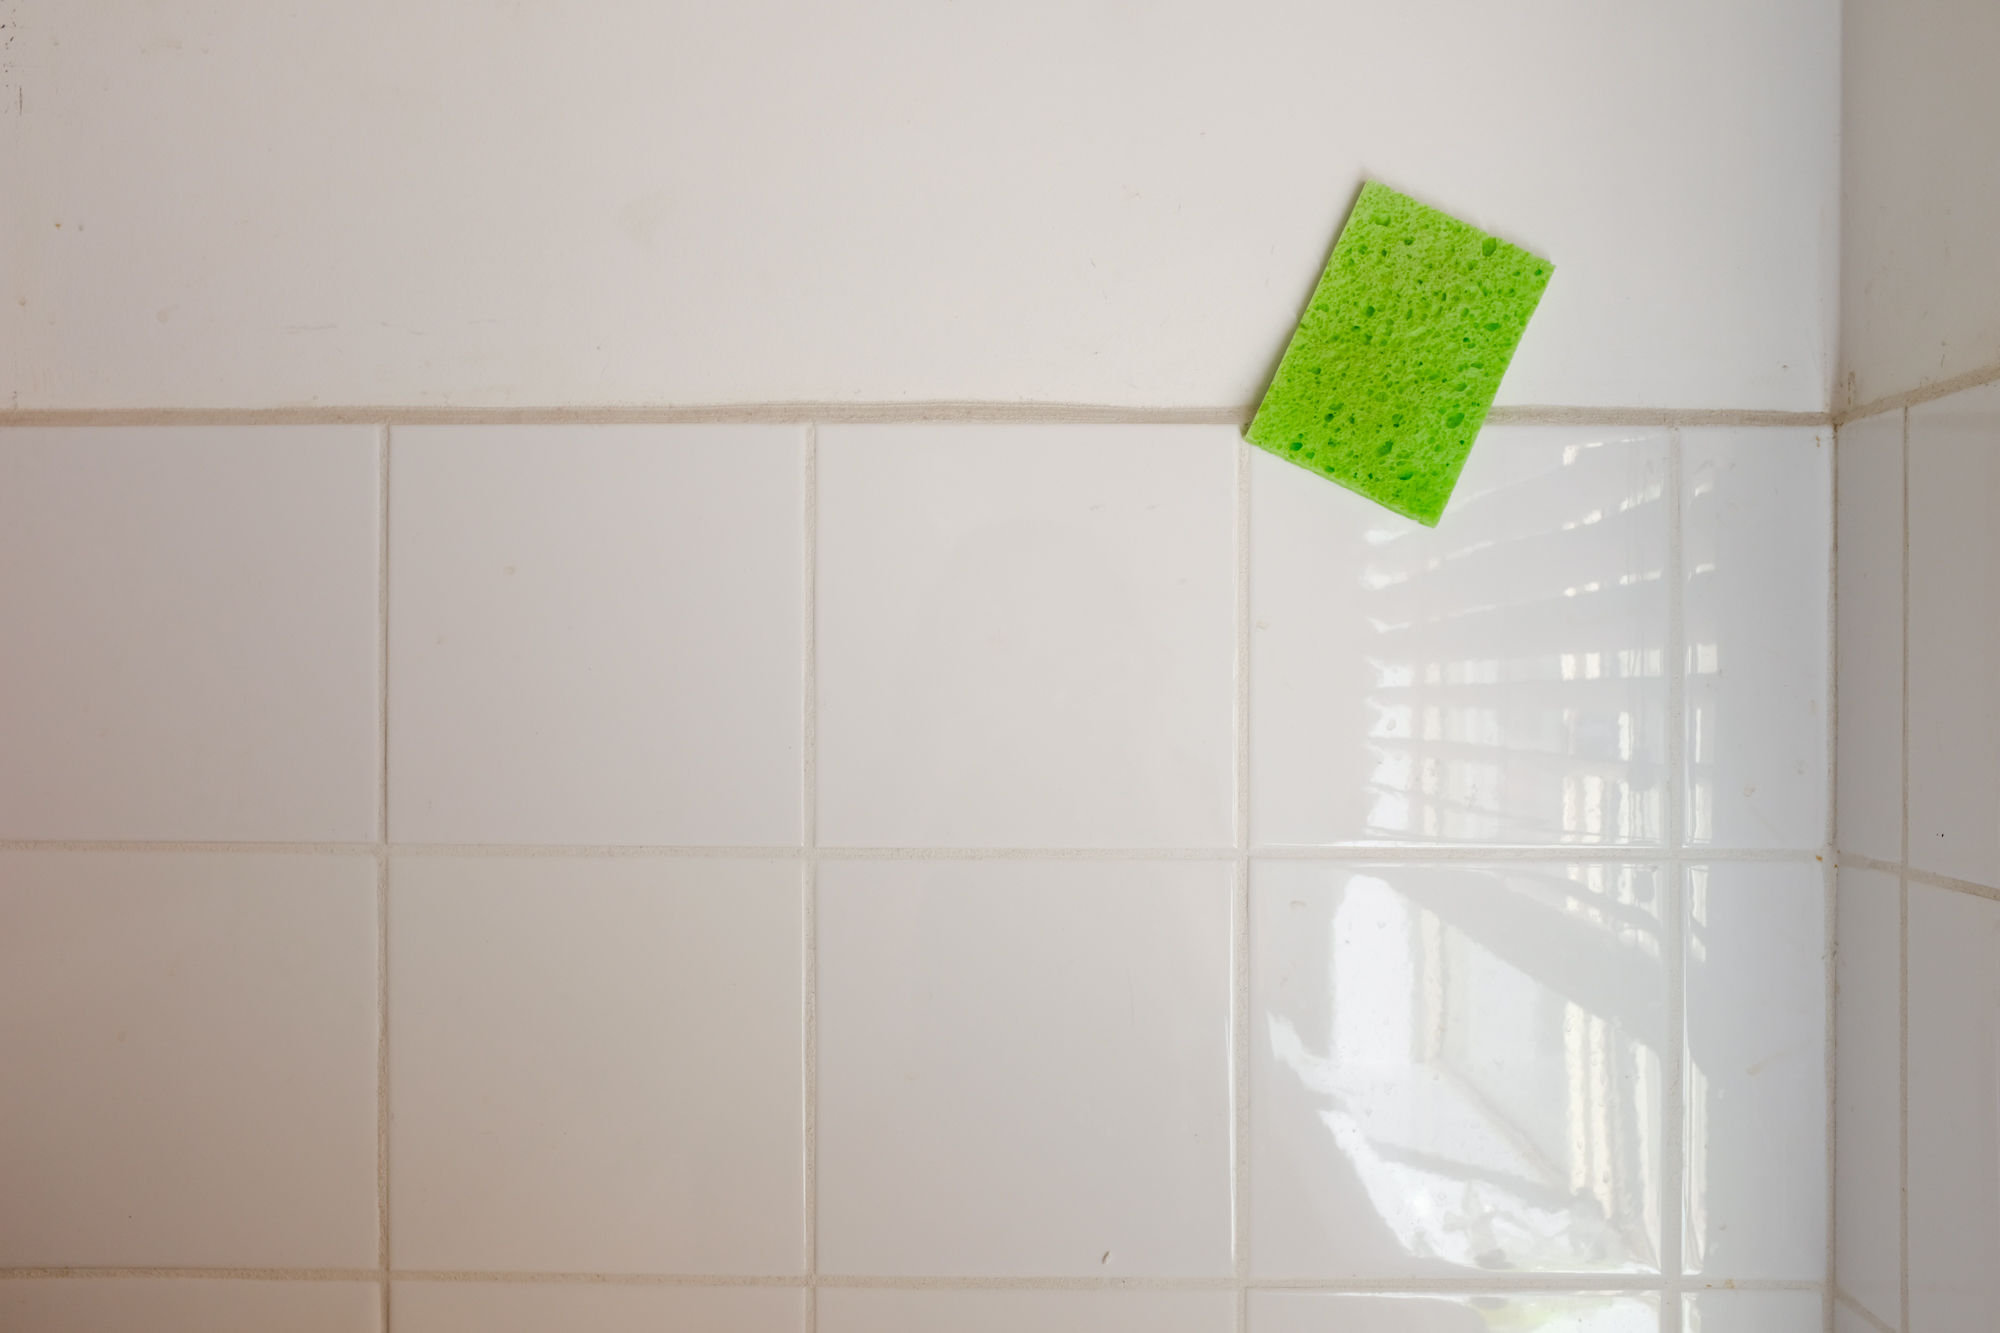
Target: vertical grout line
1830,879
809,886
1239,1016
382,877
1673,1119
1903,932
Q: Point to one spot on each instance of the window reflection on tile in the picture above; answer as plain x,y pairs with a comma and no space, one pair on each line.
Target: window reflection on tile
1753,1312
1455,1312
1500,679
1455,1068
1756,512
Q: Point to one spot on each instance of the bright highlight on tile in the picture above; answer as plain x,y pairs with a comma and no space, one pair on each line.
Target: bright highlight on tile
1395,363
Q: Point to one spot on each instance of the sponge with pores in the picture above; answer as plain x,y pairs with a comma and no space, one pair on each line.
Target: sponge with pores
1393,367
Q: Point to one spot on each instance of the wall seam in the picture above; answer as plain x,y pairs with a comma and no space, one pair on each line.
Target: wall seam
1673,1226
382,1105
1903,926
1239,963
809,876
1830,881
854,413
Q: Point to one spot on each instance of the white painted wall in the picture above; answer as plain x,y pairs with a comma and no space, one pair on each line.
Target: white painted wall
484,204
1920,289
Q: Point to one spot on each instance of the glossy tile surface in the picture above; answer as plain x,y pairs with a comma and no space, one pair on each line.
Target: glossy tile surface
1455,1068
1955,636
1756,533
1869,1204
594,634
1454,1312
187,1305
1869,579
192,633
1024,1068
1954,1173
569,1307
1500,679
1752,1312
1756,1196
846,1310
189,1045
1026,635
595,1065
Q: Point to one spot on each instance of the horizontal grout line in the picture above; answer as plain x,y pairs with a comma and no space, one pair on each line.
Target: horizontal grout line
834,413
1965,886
144,845
1926,393
1523,1282
1915,876
1869,1316
1402,853
198,1274
1537,415
605,1279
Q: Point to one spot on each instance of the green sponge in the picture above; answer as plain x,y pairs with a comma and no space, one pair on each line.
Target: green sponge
1391,371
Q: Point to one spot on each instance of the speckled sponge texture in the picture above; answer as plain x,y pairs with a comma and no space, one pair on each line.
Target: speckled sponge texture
1391,371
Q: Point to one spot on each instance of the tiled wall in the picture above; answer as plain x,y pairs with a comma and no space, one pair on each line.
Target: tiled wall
1919,1012
924,877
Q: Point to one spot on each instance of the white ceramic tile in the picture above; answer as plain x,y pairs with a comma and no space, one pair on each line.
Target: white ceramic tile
1755,1175
1868,1141
1753,1312
595,634
1954,1180
851,1310
1500,679
1039,203
1869,637
1955,636
193,629
1454,1312
1756,551
1024,1068
187,1305
190,1047
1454,1069
539,1307
595,1065
1027,635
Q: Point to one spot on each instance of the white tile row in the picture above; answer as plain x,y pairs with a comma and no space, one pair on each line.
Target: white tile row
1952,576
211,1306
1026,637
1927,957
1918,1105
600,1065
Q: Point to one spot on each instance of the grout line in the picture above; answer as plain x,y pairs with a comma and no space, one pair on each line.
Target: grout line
1909,398
809,877
382,888
1867,1315
1830,882
1239,1006
1965,886
1903,930
1399,854
1483,1282
54,1273
1672,1122
858,413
